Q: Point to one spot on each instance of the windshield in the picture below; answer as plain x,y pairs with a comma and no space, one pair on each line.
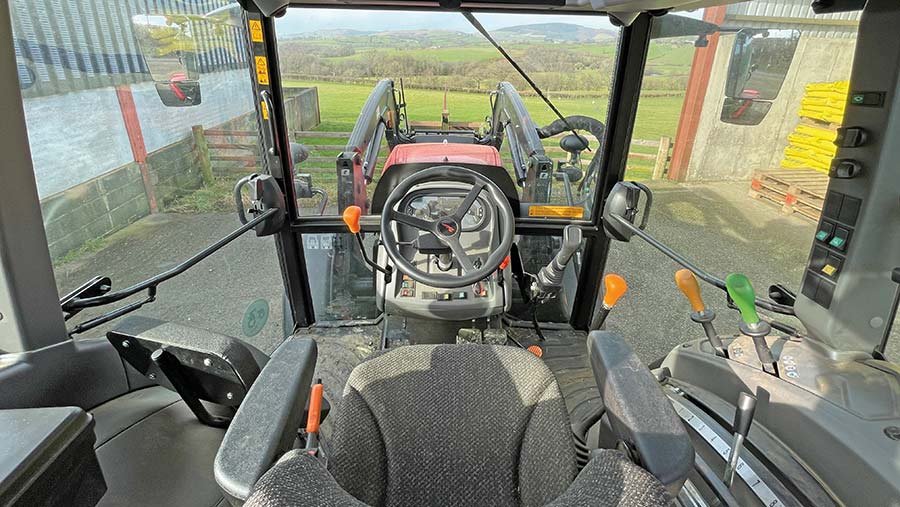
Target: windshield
387,84
447,84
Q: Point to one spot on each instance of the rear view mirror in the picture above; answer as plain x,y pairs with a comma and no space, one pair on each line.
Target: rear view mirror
169,51
179,93
621,209
760,60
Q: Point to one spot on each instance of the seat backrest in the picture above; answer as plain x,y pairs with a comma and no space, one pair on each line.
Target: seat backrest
452,425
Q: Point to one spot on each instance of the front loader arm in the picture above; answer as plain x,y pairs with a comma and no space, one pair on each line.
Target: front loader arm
378,119
510,120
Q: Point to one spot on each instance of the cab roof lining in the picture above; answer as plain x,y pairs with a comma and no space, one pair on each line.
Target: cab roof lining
620,8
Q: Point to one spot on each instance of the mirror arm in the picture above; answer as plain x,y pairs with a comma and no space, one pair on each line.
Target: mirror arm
151,283
703,275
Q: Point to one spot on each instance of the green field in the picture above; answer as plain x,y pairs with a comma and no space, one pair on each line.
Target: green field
340,103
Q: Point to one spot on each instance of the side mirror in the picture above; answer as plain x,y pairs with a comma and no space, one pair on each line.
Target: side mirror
744,111
179,93
169,49
760,60
621,210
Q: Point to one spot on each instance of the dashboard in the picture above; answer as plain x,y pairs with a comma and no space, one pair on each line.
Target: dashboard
434,206
479,236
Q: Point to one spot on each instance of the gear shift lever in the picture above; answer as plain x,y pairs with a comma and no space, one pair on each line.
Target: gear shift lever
704,316
740,290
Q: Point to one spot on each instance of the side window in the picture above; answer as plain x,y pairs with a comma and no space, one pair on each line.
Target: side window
743,121
129,107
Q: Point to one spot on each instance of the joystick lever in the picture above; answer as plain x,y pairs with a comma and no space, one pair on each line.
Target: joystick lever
550,278
351,218
614,287
688,284
741,292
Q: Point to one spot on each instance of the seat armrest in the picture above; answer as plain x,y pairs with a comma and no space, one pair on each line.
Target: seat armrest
639,413
265,425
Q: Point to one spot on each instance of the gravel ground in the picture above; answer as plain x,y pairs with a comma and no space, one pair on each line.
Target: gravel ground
715,224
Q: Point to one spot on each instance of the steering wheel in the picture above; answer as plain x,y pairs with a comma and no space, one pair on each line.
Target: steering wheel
447,229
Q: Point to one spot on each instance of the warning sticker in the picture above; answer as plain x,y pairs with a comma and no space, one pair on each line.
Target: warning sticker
556,211
262,70
264,109
256,30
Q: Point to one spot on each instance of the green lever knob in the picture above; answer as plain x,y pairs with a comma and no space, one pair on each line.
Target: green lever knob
740,290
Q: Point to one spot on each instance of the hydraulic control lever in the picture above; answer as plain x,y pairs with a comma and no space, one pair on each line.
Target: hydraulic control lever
550,278
351,218
704,316
741,292
614,287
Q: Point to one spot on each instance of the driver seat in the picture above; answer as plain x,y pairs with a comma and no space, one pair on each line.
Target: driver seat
448,425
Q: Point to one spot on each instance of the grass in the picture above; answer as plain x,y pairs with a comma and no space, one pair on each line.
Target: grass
212,199
89,247
340,104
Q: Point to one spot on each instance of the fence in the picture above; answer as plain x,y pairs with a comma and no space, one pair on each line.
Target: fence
237,151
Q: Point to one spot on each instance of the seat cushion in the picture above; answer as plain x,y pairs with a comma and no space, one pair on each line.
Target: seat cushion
608,480
452,425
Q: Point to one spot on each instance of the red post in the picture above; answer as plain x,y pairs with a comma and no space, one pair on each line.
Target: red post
698,81
136,138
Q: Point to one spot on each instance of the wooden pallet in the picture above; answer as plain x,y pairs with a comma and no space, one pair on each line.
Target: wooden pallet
799,191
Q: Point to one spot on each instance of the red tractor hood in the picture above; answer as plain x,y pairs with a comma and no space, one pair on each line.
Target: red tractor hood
443,153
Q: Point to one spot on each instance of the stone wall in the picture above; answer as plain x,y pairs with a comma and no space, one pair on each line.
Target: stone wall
94,209
111,201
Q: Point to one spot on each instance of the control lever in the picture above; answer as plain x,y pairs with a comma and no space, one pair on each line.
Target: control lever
743,416
351,217
704,316
549,279
614,288
314,418
741,292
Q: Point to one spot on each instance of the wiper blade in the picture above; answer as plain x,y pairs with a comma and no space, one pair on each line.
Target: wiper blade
483,31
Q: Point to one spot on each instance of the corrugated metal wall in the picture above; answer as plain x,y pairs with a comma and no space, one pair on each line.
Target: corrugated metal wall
64,45
792,14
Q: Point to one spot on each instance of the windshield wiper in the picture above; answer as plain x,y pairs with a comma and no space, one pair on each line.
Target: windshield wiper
483,31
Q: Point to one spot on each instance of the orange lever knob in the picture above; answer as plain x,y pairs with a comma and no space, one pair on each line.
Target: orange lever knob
314,415
687,282
615,286
351,218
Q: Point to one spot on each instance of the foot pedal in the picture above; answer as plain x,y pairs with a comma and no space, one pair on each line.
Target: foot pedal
468,335
494,337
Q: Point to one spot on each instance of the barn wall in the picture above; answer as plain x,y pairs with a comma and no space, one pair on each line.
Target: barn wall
724,151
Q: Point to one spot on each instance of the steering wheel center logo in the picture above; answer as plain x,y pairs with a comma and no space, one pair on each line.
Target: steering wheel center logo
447,227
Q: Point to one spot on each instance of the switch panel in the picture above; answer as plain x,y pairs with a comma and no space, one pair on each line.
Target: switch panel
828,256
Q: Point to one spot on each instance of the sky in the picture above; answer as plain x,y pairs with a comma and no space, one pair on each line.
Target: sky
309,20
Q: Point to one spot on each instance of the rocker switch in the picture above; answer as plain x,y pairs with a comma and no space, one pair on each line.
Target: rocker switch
851,137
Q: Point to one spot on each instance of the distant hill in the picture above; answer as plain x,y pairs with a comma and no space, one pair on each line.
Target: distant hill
555,32
541,32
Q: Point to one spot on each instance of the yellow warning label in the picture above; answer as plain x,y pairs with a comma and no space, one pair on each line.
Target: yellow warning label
556,211
264,109
256,30
262,70
829,270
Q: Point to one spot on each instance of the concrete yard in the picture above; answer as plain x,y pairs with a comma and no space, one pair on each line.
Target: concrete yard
715,224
